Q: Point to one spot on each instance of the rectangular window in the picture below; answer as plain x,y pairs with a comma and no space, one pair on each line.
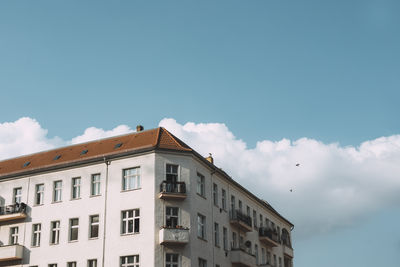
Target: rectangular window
171,260
55,232
131,179
261,220
248,211
171,173
92,263
76,188
201,226
233,203
215,194
225,238
275,260
202,262
223,199
130,221
256,252
171,217
216,234
17,195
39,194
234,240
71,264
254,219
95,185
240,206
57,190
268,257
129,261
52,265
263,256
94,226
13,235
201,185
73,229
36,231
280,262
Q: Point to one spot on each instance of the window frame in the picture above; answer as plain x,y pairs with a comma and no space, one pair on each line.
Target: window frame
201,226
36,234
93,225
13,235
71,228
39,194
125,221
136,182
55,230
170,262
17,195
57,191
95,185
201,185
215,194
123,261
76,188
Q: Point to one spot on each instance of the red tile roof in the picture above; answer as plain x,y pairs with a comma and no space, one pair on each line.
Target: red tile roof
151,139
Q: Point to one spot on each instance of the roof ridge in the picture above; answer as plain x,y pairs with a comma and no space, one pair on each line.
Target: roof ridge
175,139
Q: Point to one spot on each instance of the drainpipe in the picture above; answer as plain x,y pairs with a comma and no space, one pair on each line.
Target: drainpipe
107,162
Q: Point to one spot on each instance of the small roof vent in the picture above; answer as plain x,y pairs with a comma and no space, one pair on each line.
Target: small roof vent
26,164
57,157
118,145
84,152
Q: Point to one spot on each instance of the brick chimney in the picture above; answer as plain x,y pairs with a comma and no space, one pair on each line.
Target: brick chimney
139,128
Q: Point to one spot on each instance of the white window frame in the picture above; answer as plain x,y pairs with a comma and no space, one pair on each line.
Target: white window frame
169,260
92,263
71,264
201,185
95,184
17,195
57,191
39,194
169,213
36,234
131,181
215,194
225,238
126,219
76,187
125,261
14,231
223,198
55,227
201,226
216,234
72,228
202,262
94,224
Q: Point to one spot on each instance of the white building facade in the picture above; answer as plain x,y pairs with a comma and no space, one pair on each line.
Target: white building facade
143,199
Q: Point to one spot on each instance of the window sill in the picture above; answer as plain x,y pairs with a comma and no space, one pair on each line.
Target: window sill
201,238
99,195
201,196
129,190
72,241
55,244
78,198
38,205
55,202
93,238
128,234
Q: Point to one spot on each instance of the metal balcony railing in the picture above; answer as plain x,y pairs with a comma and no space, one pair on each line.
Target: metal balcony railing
173,187
268,232
237,215
14,208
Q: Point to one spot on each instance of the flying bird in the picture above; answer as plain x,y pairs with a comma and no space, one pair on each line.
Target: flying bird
298,164
291,190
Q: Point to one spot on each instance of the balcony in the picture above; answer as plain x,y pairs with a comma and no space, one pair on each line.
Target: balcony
172,190
13,212
11,253
174,236
287,251
268,237
242,258
240,220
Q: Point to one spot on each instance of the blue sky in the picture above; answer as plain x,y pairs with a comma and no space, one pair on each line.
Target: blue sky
268,70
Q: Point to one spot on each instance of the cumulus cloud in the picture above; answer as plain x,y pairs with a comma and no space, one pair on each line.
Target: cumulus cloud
333,187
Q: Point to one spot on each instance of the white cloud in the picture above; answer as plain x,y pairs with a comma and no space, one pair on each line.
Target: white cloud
333,187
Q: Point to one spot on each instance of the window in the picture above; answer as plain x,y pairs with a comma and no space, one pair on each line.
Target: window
200,185
73,229
53,265
256,252
216,234
255,219
263,256
240,205
225,238
201,226
76,188
232,203
13,235
223,199
171,260
234,240
55,232
280,262
274,260
131,179
215,194
39,194
17,193
202,262
171,217
95,188
71,264
268,257
130,261
92,263
94,226
248,211
261,220
57,189
36,230
171,173
130,221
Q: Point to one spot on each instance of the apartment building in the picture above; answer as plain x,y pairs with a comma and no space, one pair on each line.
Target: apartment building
141,199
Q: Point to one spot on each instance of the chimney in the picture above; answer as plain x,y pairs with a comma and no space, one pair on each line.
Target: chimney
210,159
139,128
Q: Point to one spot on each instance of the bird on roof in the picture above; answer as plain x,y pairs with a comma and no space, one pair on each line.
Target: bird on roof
291,190
297,164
